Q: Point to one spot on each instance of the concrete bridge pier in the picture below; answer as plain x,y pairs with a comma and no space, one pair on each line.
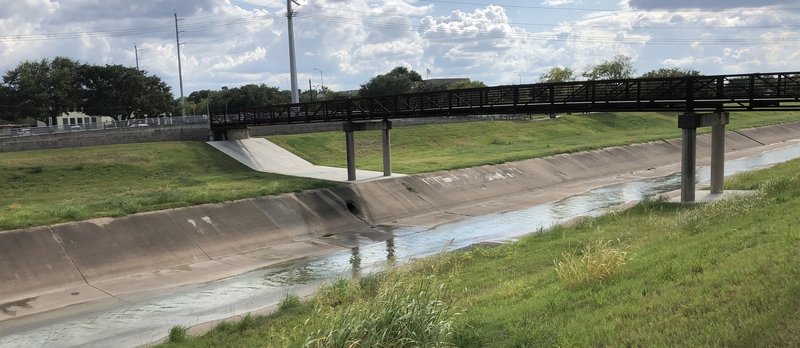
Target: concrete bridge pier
689,123
230,134
350,144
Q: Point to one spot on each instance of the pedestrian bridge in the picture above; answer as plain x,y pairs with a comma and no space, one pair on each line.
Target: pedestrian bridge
699,101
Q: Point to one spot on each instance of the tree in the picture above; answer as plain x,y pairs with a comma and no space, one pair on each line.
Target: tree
43,89
558,74
119,92
250,95
466,84
399,80
671,72
621,67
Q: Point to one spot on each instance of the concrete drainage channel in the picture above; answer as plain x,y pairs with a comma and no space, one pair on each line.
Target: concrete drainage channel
411,213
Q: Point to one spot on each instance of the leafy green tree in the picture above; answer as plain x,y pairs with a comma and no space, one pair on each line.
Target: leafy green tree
621,67
43,89
123,92
558,74
250,95
399,80
671,72
466,84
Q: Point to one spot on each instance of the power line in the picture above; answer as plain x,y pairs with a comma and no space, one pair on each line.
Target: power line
587,26
546,36
587,9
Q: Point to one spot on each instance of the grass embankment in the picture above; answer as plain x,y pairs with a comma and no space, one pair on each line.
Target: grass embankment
722,274
46,187
436,147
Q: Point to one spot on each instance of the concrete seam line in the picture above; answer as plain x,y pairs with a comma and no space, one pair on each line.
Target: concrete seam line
416,193
195,242
748,137
61,244
230,264
253,202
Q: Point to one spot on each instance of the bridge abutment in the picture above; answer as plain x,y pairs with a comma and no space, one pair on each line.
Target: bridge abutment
230,134
350,144
689,123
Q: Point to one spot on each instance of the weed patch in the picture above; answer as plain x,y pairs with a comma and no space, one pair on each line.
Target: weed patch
594,263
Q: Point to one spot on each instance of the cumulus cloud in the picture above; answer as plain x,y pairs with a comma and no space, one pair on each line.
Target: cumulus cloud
235,42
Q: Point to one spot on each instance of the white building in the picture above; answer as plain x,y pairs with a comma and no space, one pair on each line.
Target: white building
76,118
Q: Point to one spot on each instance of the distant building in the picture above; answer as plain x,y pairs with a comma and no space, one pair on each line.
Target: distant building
76,118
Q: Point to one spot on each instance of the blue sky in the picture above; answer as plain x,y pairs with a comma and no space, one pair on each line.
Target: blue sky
235,42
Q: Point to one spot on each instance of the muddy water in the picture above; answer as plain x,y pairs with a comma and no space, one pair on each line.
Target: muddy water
134,323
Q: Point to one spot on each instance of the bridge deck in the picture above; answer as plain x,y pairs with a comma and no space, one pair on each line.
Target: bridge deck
741,92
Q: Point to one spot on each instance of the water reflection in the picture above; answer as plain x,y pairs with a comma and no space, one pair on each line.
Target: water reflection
355,263
391,260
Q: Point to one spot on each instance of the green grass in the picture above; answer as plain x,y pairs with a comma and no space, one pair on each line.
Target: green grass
722,274
47,187
436,147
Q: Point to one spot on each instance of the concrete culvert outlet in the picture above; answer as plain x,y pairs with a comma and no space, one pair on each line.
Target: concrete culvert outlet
353,208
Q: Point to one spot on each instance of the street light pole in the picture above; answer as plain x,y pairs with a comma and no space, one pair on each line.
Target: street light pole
321,81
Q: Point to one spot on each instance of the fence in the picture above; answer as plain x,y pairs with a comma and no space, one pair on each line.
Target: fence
113,124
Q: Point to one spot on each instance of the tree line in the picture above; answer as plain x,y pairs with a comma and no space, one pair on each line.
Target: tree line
47,88
620,67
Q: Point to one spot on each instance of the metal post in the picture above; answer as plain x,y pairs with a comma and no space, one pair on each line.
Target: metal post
688,163
350,145
717,157
387,152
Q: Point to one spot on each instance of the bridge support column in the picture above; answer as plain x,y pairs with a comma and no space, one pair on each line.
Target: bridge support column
718,152
350,127
350,143
688,164
689,124
387,150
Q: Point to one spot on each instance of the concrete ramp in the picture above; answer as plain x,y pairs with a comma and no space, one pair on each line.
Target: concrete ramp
264,156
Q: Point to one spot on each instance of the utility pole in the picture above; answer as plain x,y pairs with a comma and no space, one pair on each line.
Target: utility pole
136,51
180,73
310,91
292,63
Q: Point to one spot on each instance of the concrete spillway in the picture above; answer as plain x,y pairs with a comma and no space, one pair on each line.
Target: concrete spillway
118,259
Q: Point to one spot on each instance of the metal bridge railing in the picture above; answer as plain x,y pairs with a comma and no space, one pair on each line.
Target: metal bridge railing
741,92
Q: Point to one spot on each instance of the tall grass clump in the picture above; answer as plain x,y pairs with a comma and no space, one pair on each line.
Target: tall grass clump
400,315
177,334
594,263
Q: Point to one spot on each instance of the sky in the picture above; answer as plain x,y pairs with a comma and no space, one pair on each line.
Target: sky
343,43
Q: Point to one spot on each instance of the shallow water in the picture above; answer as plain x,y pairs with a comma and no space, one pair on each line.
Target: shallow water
139,322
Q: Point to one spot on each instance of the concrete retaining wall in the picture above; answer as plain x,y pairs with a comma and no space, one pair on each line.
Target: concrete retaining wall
38,259
105,137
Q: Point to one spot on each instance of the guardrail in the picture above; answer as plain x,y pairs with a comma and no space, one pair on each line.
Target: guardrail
740,92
